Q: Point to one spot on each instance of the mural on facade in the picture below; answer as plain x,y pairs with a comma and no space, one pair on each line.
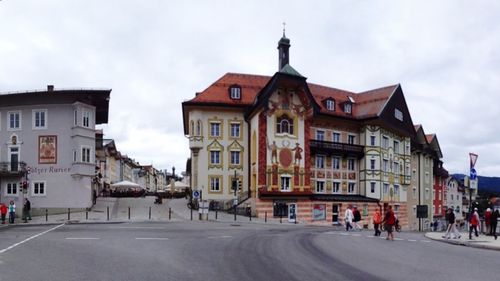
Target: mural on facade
47,149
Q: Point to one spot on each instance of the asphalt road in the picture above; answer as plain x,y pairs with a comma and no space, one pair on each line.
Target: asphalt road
222,251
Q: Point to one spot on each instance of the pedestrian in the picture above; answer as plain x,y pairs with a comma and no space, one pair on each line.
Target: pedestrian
474,222
94,197
451,229
357,218
487,218
12,211
377,219
494,221
389,220
26,210
3,212
348,216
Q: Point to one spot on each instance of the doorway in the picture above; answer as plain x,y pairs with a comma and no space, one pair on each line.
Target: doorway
14,158
292,212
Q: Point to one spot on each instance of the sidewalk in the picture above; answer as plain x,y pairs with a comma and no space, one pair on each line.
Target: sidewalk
483,241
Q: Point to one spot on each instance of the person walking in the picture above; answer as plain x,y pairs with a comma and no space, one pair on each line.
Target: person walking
487,218
348,216
377,220
12,211
474,222
451,229
389,220
494,222
357,218
26,210
3,212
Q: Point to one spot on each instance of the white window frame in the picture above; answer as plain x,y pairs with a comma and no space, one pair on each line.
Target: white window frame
285,179
235,130
75,117
373,164
34,183
215,131
34,113
336,187
11,185
351,188
385,165
215,184
19,121
396,190
373,187
320,161
86,118
351,139
396,146
385,188
348,107
235,157
351,164
396,168
86,158
330,105
235,93
320,186
75,156
385,142
336,163
336,135
373,140
215,155
320,135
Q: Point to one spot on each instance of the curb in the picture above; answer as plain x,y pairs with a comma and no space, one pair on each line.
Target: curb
464,243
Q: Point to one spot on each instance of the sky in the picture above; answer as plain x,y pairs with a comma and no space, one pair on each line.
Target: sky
156,54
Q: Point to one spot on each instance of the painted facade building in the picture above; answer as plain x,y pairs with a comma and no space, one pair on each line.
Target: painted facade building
297,149
454,196
48,140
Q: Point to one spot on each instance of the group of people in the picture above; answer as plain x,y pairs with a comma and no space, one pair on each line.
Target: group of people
352,217
11,210
491,221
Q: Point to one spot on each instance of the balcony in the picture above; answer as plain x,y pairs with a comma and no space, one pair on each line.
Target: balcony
195,142
336,148
12,168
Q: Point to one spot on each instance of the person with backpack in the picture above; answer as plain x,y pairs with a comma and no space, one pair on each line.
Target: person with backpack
474,222
377,220
357,219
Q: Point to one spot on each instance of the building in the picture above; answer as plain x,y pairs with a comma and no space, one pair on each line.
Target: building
454,196
295,149
48,145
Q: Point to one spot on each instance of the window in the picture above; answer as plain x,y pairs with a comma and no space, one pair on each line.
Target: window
351,187
398,114
396,190
336,163
235,157
372,187
452,197
11,189
386,188
330,105
351,139
385,142
215,185
427,193
396,147
372,140
215,157
347,107
235,93
414,209
86,155
372,164
351,164
86,119
336,137
407,148
198,128
320,161
39,119
75,158
14,120
284,125
75,118
336,187
385,166
414,192
285,183
320,135
215,129
235,130
396,168
320,187
38,188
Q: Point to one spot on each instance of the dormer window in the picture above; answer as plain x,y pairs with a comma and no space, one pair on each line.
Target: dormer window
330,105
235,92
348,107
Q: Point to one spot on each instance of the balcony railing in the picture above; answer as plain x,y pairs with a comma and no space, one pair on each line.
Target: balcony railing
12,168
328,147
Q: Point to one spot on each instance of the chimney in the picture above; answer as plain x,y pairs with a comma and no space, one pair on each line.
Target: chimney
50,88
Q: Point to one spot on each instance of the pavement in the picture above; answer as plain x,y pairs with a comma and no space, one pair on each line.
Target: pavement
483,241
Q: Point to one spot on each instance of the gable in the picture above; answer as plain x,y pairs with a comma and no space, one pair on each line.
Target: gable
396,116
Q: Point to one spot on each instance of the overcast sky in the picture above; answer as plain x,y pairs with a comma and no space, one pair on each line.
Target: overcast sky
157,54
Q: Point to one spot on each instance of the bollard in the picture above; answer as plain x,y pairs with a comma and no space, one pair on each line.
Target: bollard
191,213
129,213
169,213
69,214
46,215
215,214
107,211
149,212
86,214
265,216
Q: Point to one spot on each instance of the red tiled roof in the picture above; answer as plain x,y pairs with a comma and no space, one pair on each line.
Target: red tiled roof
367,104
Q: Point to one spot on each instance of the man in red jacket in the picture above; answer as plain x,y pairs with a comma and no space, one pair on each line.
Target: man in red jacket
390,221
3,212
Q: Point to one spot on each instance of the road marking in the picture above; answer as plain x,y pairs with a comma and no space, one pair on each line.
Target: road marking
357,235
345,234
412,240
425,241
217,237
29,238
370,236
151,238
398,239
82,238
136,227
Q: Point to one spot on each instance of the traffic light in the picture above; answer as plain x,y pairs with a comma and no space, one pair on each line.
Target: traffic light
234,184
240,183
25,185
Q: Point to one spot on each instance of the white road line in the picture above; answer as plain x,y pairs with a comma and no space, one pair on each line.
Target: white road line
345,234
425,241
29,238
82,238
370,236
136,227
151,238
398,239
217,237
357,235
412,240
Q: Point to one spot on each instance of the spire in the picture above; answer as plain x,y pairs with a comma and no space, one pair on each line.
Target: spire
283,46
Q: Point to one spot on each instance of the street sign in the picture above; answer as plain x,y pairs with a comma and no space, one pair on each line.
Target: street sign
422,211
473,174
196,194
